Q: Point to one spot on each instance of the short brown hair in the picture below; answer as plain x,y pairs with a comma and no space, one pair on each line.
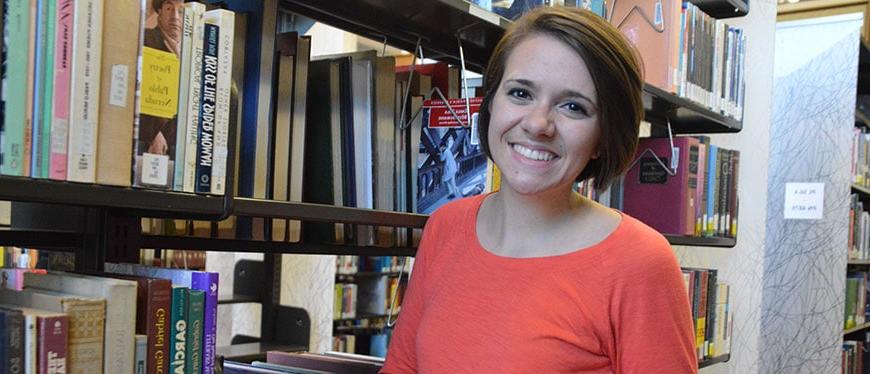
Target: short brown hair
615,69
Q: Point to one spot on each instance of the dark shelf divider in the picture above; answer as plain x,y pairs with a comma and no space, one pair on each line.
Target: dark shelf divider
702,241
714,361
256,246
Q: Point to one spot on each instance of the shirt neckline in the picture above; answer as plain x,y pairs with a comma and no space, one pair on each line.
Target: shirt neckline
587,253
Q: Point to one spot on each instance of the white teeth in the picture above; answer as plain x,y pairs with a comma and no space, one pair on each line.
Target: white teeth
534,155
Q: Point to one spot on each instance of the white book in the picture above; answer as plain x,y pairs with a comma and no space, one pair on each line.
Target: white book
120,298
225,20
190,120
30,343
141,353
189,24
85,90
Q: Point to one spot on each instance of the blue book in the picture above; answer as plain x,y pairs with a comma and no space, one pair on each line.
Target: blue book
710,186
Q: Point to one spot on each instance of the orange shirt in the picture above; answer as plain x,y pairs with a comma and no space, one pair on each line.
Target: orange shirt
619,306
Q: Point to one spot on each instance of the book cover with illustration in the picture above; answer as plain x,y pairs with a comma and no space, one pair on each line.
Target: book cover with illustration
154,158
450,163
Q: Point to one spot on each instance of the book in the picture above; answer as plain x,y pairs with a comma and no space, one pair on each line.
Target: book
325,363
207,107
85,91
671,176
156,130
13,278
195,315
60,99
43,88
118,92
195,280
50,332
141,353
120,296
189,83
225,20
285,50
297,133
444,145
86,324
178,330
17,51
656,36
12,346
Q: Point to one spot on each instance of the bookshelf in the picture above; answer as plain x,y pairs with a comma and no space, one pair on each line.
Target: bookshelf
714,361
438,23
855,329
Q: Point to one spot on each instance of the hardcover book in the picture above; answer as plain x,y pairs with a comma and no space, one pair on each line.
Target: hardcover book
672,184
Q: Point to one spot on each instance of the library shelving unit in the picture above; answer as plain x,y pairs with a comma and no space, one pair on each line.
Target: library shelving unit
110,227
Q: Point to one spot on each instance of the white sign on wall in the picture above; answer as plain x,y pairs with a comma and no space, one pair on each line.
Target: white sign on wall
804,200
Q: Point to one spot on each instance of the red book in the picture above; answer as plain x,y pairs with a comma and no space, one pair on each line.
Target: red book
649,186
52,332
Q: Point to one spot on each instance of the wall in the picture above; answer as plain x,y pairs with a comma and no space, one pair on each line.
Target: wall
742,266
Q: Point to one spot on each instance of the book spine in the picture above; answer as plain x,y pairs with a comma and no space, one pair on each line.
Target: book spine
117,103
17,50
178,345
183,92
85,91
48,88
31,341
31,86
14,339
85,344
60,97
159,303
193,98
226,21
35,106
141,354
208,97
194,332
52,351
208,283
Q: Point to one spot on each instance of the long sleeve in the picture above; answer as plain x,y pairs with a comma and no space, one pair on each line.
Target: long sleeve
651,315
402,353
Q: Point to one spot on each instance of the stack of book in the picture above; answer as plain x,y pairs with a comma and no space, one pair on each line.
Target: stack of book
96,87
852,357
129,318
711,311
861,157
858,246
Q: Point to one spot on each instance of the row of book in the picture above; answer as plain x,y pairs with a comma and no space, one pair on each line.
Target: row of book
695,179
858,245
350,265
861,157
368,297
101,95
684,50
857,308
308,363
711,310
853,356
129,318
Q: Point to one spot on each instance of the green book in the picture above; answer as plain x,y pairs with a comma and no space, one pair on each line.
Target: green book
48,88
17,56
178,341
195,316
851,302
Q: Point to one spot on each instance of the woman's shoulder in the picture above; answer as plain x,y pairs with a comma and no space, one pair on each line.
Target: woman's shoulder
456,210
639,247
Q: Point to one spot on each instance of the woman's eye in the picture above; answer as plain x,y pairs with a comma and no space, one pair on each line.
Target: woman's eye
519,93
575,108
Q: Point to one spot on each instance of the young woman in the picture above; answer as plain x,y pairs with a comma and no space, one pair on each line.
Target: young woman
535,278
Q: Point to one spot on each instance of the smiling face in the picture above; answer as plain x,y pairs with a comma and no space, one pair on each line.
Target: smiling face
543,127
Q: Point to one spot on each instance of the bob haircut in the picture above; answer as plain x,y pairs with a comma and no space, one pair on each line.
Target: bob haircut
615,69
